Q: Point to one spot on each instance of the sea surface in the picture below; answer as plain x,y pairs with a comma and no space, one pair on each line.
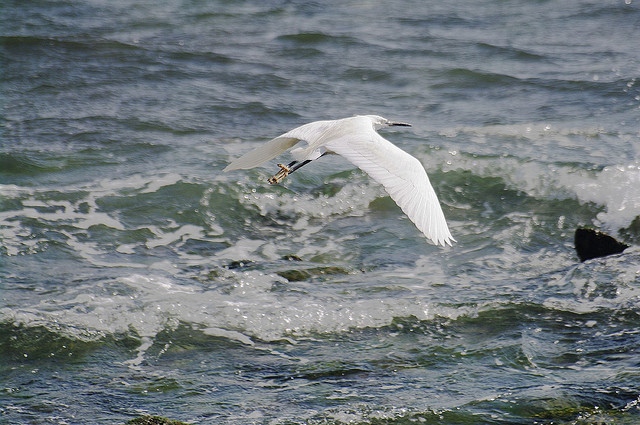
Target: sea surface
137,278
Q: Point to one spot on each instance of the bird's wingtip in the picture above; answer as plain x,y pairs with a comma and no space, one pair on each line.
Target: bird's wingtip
231,167
444,241
448,242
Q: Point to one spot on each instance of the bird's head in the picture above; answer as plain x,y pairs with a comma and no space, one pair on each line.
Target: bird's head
381,122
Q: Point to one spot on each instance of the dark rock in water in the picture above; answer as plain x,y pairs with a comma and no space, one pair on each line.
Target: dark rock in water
297,275
590,243
154,420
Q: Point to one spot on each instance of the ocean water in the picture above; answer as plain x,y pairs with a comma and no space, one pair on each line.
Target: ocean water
136,278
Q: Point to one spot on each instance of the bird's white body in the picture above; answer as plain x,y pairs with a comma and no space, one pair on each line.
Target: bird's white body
356,139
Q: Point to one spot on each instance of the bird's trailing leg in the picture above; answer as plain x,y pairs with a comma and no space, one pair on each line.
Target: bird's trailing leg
285,170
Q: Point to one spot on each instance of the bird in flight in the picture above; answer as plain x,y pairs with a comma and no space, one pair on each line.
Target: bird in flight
357,140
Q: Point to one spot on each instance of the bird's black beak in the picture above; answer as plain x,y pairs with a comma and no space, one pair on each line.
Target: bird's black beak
399,124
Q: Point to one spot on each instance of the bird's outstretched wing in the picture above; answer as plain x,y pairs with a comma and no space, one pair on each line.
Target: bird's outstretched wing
263,153
402,176
311,133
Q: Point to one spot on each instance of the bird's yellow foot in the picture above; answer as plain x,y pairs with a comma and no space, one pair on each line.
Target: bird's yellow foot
280,175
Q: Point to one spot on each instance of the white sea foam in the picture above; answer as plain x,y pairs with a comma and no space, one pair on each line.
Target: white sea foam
241,306
600,285
73,218
618,188
615,187
352,199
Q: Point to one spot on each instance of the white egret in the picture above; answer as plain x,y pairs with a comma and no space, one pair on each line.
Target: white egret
356,139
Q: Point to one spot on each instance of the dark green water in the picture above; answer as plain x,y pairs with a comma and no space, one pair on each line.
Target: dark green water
137,278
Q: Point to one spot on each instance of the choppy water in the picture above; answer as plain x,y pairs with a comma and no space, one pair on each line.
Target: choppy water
136,278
